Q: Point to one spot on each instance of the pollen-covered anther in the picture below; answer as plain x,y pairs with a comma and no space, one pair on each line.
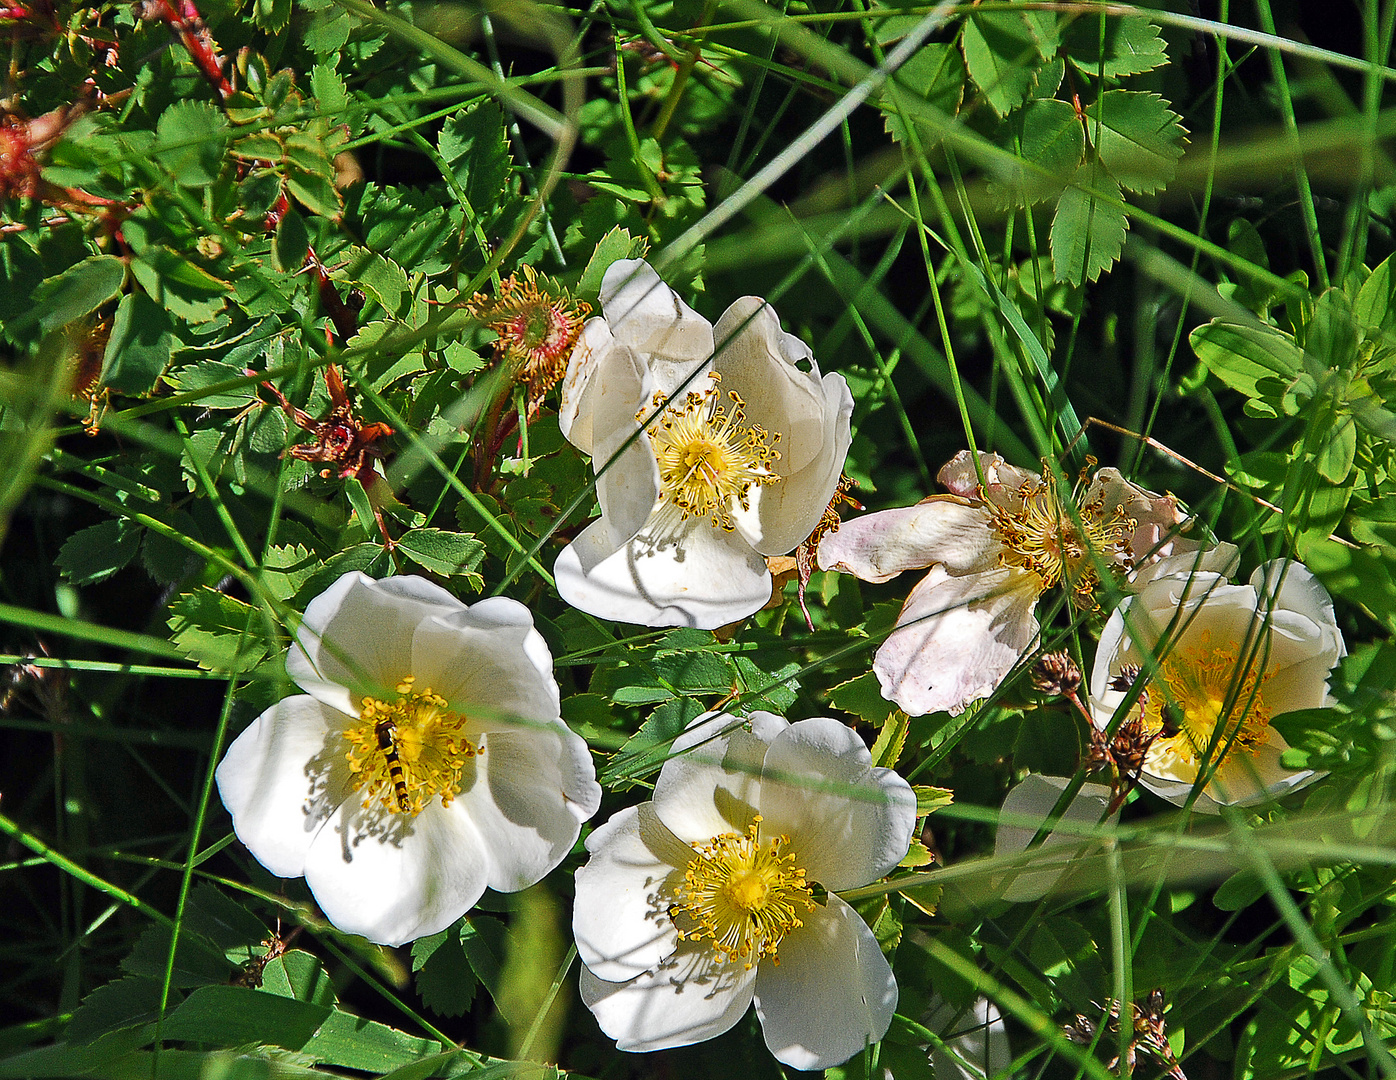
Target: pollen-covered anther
404,753
743,896
1060,542
709,457
1207,704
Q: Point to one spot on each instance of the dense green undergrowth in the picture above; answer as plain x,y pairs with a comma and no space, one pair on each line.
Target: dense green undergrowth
259,264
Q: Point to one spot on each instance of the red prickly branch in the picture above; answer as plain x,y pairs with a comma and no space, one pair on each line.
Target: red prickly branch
189,27
345,322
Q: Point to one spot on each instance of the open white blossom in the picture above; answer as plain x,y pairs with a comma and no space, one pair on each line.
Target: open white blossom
702,901
1230,658
740,465
991,552
425,761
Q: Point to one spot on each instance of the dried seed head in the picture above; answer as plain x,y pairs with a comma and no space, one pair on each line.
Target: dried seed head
1055,674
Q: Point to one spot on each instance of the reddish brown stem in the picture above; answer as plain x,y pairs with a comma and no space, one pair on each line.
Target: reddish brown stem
188,26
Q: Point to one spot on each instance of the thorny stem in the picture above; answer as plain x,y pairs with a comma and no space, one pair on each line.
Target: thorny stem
188,26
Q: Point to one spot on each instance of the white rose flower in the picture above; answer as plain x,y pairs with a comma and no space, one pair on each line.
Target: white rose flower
741,465
700,902
1230,658
426,760
991,553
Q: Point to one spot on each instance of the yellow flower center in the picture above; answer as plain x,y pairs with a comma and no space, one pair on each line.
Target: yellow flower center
743,896
709,457
1199,690
1044,536
404,753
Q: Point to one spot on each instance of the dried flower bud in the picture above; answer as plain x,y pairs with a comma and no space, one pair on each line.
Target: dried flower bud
1055,674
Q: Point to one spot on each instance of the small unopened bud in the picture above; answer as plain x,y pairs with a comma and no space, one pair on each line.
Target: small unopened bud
1055,674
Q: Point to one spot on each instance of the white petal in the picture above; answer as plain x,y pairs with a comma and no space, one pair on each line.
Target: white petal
580,385
956,638
711,783
282,778
959,476
647,315
1025,809
1295,589
700,577
832,994
848,823
489,662
356,637
534,786
788,511
775,374
976,1040
393,878
942,529
1183,558
620,918
686,1000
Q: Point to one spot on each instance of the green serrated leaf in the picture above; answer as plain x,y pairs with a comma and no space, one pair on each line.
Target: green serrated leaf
299,975
292,242
1132,46
1139,138
97,552
329,90
474,148
485,943
127,1001
1053,145
890,740
271,15
862,697
190,139
449,554
173,281
936,74
286,568
444,978
77,291
315,191
930,799
138,350
232,1015
1087,236
1001,51
217,632
381,278
615,245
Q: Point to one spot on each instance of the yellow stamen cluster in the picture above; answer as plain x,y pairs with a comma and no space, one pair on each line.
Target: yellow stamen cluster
1199,689
1043,535
404,753
709,457
743,895
536,328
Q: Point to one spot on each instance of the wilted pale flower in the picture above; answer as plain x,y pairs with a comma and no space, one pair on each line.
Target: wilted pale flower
425,761
991,553
741,465
1230,659
699,903
538,323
